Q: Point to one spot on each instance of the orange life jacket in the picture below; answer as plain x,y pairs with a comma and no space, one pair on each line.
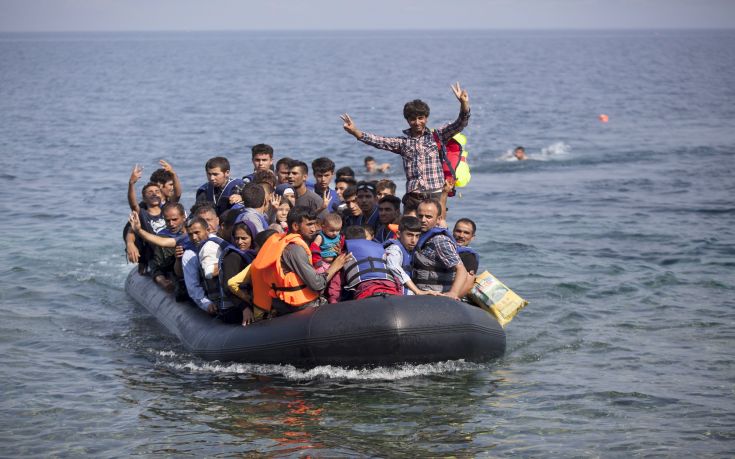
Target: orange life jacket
269,279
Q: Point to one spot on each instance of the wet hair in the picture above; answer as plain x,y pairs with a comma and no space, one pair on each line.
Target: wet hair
300,164
415,108
161,176
267,177
364,185
261,149
383,184
434,202
350,181
299,214
284,161
149,185
355,232
469,222
331,219
322,165
345,171
191,221
217,161
394,201
261,237
411,224
368,159
253,196
349,192
174,205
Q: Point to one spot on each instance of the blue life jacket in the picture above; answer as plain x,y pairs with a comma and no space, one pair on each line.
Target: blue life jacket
368,264
222,202
462,249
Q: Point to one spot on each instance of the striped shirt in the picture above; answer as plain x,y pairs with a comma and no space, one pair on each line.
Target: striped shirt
421,160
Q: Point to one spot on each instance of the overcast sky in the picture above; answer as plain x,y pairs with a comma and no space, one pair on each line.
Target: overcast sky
149,15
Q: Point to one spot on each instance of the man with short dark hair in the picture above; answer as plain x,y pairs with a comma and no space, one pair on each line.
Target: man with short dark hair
421,156
297,176
436,264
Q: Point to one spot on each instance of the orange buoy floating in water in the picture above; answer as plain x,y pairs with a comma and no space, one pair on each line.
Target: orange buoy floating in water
604,118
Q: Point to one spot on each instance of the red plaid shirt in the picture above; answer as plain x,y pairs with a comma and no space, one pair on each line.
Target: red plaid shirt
420,154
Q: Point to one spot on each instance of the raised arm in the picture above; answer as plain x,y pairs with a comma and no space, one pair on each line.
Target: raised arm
177,184
148,237
134,177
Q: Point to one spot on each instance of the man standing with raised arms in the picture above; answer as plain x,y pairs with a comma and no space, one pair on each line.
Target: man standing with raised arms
420,153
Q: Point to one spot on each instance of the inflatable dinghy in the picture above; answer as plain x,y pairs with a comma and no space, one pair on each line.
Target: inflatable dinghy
379,331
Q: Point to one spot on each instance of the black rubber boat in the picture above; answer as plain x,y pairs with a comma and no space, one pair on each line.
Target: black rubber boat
378,331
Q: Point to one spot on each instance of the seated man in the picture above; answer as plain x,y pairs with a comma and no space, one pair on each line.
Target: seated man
283,277
162,244
151,218
464,233
398,255
362,210
219,187
389,214
436,265
365,273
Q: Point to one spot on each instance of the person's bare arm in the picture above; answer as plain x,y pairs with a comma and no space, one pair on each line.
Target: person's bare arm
460,278
148,237
177,183
134,177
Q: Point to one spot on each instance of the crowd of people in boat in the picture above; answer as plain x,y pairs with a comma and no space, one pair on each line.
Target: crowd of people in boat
274,242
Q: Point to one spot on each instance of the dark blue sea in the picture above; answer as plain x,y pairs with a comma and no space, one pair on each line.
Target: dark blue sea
620,234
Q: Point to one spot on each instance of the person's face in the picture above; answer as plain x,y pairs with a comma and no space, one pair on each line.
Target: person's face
283,173
242,239
428,215
174,219
352,206
307,229
197,233
409,239
217,177
339,188
366,201
262,162
370,166
387,213
152,196
167,189
282,212
332,230
417,124
463,233
323,179
381,193
296,177
212,221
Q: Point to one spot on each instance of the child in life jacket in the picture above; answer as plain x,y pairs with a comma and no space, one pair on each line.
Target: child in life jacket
365,274
328,243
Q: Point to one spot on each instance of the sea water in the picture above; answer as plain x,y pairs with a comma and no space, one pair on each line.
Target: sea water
620,235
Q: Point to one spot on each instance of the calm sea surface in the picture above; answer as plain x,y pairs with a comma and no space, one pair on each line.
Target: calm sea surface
620,234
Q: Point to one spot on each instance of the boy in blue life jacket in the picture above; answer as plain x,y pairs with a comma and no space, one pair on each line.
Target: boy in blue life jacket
220,188
398,254
365,273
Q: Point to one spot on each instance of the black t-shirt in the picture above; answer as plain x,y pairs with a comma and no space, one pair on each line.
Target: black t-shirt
469,260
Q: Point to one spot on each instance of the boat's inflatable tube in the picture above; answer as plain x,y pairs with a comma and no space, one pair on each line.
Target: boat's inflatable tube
375,331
